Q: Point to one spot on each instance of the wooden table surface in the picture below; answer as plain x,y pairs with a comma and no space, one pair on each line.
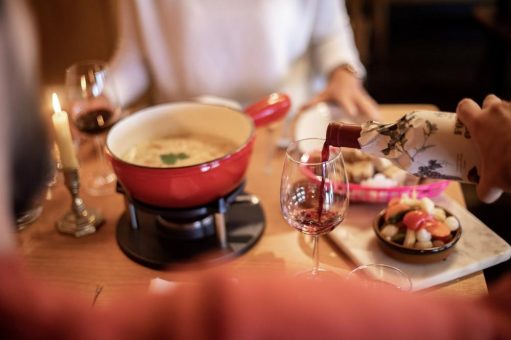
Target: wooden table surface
82,264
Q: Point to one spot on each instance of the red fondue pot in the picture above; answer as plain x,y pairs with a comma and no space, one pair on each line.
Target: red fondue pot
189,186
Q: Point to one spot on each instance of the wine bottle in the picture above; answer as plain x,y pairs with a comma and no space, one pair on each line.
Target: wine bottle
424,143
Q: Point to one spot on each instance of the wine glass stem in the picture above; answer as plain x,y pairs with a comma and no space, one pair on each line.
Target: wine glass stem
315,255
102,166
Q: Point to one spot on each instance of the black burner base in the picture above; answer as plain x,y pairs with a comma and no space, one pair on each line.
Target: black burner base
150,247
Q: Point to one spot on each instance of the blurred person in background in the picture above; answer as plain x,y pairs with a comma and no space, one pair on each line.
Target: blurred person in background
260,306
240,50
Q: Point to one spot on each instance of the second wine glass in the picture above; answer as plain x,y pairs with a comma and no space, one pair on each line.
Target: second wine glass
314,191
94,107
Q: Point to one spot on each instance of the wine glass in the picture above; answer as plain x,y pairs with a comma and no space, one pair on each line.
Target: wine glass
377,275
94,107
314,192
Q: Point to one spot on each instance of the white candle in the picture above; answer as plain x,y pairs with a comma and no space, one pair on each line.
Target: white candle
63,136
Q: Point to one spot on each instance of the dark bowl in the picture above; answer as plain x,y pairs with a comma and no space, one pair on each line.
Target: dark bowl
412,255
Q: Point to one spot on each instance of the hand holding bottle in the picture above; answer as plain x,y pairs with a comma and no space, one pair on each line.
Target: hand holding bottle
426,144
490,129
473,145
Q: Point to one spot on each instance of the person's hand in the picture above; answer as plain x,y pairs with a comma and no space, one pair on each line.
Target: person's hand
490,128
347,91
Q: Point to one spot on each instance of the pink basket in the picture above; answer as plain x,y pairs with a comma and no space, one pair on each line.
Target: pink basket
362,193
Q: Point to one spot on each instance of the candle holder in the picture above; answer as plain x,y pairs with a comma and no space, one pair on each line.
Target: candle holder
79,221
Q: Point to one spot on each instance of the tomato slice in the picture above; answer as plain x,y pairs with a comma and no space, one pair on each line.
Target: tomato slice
414,219
437,229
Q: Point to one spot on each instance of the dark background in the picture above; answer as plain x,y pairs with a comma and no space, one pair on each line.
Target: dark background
442,53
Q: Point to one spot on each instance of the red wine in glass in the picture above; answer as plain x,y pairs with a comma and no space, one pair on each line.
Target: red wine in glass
309,222
309,204
94,107
94,122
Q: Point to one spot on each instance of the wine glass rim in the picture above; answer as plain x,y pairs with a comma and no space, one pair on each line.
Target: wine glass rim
400,272
294,145
89,62
377,265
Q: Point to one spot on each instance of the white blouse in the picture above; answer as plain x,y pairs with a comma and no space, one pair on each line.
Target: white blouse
236,49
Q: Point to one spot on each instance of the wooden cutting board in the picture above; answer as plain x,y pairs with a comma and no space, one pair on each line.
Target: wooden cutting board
478,248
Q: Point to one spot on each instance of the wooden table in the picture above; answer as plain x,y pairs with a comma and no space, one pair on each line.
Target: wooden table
81,264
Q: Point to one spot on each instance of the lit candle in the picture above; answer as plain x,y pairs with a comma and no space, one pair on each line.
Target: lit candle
63,136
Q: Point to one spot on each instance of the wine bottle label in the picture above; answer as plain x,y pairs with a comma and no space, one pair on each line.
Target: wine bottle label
426,144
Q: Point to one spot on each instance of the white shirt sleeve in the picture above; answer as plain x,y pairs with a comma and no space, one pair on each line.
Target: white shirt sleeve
333,43
127,66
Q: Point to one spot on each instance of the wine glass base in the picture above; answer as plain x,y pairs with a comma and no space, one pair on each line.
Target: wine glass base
101,185
319,275
28,217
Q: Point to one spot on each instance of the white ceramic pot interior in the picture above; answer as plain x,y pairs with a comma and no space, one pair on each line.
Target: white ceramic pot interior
179,119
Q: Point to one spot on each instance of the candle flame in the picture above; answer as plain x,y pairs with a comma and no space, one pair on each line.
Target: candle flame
56,103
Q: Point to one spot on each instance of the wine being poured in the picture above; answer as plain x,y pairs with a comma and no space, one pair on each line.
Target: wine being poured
314,191
325,155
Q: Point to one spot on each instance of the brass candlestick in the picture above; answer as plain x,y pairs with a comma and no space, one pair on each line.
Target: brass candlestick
80,221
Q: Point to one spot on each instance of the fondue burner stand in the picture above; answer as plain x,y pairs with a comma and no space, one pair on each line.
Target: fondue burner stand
157,237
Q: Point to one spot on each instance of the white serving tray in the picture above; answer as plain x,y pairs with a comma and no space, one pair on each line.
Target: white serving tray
478,248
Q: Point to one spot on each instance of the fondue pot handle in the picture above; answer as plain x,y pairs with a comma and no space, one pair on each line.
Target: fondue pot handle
270,109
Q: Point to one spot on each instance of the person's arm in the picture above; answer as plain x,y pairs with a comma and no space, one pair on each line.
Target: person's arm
127,66
336,56
490,128
260,306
